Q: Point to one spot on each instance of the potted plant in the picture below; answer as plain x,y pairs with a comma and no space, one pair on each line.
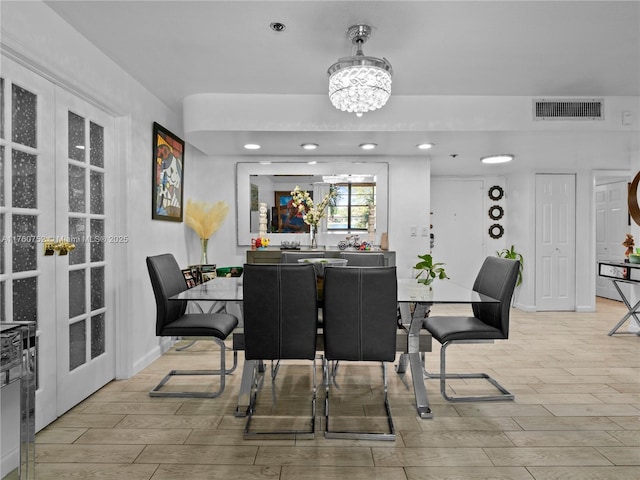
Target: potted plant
428,271
513,255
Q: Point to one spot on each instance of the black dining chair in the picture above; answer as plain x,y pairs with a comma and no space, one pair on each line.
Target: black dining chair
293,257
173,321
280,323
490,321
364,259
360,313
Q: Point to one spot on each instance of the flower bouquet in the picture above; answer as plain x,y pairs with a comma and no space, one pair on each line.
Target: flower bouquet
205,219
312,213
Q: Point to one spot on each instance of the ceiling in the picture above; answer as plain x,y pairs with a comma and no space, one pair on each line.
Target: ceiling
438,49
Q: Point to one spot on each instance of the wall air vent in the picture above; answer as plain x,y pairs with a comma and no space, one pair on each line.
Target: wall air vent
569,109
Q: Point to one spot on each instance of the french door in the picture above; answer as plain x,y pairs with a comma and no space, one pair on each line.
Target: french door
55,155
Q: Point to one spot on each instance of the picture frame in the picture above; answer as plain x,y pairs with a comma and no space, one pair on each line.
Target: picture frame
201,273
282,201
189,278
167,187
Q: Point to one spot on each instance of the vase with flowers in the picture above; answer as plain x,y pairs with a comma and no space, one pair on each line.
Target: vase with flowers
312,213
205,219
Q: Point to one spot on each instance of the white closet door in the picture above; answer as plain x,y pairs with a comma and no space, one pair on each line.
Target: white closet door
555,242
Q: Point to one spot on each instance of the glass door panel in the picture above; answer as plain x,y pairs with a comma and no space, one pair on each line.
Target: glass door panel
27,216
85,325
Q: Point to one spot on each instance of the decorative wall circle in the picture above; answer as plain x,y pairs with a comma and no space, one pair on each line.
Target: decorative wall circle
496,192
496,212
632,199
496,230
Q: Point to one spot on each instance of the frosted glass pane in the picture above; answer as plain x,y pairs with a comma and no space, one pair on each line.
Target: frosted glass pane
24,179
97,288
1,107
3,244
77,344
96,192
3,175
23,245
97,240
77,193
77,235
76,293
24,117
97,335
3,308
25,299
96,139
76,137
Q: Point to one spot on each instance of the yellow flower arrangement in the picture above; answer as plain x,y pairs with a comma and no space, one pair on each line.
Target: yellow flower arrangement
205,219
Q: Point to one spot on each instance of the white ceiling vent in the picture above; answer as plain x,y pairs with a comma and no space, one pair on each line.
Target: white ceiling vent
569,109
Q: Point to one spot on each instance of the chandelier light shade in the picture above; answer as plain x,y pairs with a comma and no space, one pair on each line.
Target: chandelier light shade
359,84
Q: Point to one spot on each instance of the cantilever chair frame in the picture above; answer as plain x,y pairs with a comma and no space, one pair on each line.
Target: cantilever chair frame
509,282
222,372
362,351
303,273
161,296
443,376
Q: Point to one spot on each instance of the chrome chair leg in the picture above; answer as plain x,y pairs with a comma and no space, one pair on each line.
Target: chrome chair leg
443,376
257,386
222,372
389,436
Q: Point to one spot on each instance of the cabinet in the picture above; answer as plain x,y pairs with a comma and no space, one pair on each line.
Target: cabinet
272,255
17,365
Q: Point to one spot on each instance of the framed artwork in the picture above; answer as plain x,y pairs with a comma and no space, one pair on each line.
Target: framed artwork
168,175
289,218
254,198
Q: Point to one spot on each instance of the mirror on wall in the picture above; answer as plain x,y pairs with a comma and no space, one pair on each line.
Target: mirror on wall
362,194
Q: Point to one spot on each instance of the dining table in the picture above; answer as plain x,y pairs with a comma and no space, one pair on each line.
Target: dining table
414,300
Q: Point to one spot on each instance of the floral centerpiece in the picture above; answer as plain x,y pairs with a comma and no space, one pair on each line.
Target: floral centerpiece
205,219
312,213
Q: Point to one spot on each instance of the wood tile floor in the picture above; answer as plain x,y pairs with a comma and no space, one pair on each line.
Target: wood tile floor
576,416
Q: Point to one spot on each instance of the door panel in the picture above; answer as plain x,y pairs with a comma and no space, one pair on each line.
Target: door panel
27,194
555,242
611,227
85,321
458,228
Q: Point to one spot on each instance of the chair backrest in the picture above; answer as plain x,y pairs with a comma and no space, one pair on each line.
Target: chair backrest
167,280
497,278
280,312
360,313
363,259
292,257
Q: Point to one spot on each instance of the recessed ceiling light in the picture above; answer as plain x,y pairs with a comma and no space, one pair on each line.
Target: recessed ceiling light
368,146
252,146
309,146
265,162
424,146
500,158
312,162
